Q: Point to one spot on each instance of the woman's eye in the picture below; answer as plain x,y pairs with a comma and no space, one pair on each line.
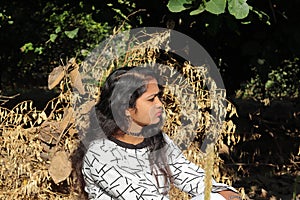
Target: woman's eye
152,99
160,95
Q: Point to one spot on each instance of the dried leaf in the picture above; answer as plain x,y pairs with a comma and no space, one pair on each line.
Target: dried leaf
49,132
67,118
60,167
49,138
55,77
224,149
76,80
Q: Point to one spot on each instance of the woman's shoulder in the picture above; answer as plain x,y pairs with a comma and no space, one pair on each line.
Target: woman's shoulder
167,139
100,145
103,150
171,148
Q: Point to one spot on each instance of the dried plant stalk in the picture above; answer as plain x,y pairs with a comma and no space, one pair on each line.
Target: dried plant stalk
209,164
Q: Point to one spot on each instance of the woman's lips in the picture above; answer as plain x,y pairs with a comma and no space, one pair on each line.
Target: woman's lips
158,114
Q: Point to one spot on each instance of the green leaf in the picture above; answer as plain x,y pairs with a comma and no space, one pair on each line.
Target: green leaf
72,34
53,37
84,52
199,10
38,50
238,8
27,47
215,6
58,29
269,84
177,5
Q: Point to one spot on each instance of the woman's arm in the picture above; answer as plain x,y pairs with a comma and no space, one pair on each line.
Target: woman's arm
189,177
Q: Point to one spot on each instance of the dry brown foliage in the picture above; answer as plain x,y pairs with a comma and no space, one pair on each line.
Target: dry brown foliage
37,145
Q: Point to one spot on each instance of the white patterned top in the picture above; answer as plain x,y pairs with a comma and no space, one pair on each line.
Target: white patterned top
114,172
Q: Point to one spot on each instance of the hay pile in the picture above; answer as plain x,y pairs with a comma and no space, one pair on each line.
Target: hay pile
39,147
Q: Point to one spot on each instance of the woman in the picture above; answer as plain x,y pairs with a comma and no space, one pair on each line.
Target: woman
135,160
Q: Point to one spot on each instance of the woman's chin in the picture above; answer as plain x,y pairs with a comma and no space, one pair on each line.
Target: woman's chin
157,120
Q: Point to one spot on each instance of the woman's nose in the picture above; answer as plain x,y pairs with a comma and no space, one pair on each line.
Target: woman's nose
158,102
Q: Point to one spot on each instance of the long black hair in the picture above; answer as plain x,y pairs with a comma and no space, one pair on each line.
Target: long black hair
120,91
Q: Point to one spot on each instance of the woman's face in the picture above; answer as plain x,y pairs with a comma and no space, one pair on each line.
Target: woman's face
148,109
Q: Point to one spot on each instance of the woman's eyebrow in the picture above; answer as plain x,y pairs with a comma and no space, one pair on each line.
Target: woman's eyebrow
152,95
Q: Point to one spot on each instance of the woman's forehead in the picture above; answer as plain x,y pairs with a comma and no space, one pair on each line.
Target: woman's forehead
152,87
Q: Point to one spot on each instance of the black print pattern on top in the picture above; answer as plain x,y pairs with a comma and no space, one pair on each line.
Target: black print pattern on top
115,172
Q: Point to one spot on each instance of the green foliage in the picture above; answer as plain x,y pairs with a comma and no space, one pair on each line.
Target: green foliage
54,31
216,6
72,34
75,26
281,82
79,29
27,47
36,37
177,5
199,10
238,8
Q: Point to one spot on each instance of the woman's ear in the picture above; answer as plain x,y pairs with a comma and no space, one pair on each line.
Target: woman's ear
127,112
130,111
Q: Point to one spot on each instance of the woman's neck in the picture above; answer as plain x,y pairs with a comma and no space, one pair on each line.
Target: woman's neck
130,139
